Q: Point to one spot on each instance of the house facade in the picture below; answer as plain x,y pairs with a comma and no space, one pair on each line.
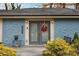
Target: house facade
37,25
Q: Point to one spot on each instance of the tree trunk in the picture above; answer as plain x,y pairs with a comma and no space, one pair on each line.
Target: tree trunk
50,5
6,7
63,5
13,6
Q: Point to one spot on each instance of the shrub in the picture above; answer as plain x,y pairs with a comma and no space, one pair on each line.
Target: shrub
75,44
75,41
75,37
5,51
59,47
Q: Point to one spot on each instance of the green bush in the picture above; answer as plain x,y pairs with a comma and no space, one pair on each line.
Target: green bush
75,37
75,41
59,47
5,51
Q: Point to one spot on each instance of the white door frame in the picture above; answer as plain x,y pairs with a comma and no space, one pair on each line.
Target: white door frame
52,30
26,32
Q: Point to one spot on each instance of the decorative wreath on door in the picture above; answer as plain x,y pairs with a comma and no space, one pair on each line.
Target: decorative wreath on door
44,27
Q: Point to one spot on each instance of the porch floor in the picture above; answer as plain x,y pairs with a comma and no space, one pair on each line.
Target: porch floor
30,51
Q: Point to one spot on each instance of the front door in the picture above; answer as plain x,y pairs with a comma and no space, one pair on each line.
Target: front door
37,36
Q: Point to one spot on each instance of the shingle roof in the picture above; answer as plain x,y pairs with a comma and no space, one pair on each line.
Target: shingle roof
39,11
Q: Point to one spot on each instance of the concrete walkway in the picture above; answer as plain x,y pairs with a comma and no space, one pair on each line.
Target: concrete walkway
30,51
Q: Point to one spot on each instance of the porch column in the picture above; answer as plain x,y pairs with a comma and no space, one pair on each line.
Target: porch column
26,32
52,30
1,22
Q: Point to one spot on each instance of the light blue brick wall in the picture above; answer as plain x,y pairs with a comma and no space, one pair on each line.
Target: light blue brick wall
12,27
66,27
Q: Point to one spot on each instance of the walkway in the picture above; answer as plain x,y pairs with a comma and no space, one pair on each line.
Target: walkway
30,51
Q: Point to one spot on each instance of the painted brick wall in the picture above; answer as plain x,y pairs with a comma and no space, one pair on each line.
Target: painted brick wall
12,27
66,27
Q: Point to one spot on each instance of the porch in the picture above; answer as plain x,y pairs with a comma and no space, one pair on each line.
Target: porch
22,24
30,50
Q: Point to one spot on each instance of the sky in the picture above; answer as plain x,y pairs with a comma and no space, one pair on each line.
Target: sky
24,5
28,5
31,5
